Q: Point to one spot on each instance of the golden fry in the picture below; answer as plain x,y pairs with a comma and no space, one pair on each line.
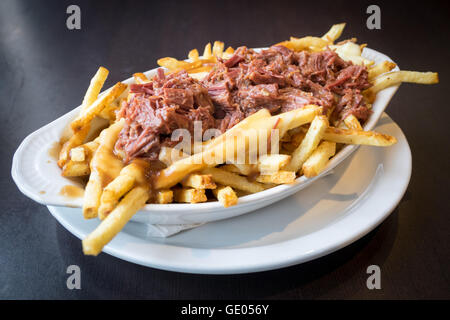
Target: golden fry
94,109
77,154
318,159
381,68
218,49
140,78
352,122
189,195
115,221
199,181
272,162
334,33
193,55
358,137
207,52
278,177
80,135
233,180
104,166
226,196
397,77
75,169
164,196
309,143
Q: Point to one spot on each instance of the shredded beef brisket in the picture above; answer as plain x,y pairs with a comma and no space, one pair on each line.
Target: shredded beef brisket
277,79
156,109
281,80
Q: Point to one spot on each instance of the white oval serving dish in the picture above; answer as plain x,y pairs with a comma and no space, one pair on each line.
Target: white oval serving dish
37,175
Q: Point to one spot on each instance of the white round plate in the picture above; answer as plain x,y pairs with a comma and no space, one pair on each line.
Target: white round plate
328,215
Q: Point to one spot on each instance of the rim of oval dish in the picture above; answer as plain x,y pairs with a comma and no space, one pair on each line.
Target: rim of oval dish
244,201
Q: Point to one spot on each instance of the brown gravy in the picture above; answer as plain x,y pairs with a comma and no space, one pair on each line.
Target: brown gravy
70,191
150,169
107,164
54,150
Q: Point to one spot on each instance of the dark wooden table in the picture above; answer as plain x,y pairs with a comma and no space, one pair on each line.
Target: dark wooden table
45,69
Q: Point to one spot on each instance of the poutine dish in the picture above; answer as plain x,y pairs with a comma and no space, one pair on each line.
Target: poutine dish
224,124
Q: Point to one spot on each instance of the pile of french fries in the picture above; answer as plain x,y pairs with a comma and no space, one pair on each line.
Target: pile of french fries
306,141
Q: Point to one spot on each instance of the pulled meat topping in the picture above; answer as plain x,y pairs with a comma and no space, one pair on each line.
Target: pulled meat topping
156,109
281,80
277,79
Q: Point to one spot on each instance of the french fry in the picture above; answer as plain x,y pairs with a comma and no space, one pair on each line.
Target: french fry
306,43
352,122
189,195
196,72
217,49
95,86
233,180
169,155
245,169
171,63
381,68
244,124
318,159
288,44
75,169
242,169
112,193
278,177
270,163
267,163
207,52
75,140
296,118
129,176
90,147
104,165
351,136
94,109
92,195
309,143
226,196
397,77
199,181
164,196
115,221
140,78
109,111
80,135
334,33
193,55
296,139
77,154
176,65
